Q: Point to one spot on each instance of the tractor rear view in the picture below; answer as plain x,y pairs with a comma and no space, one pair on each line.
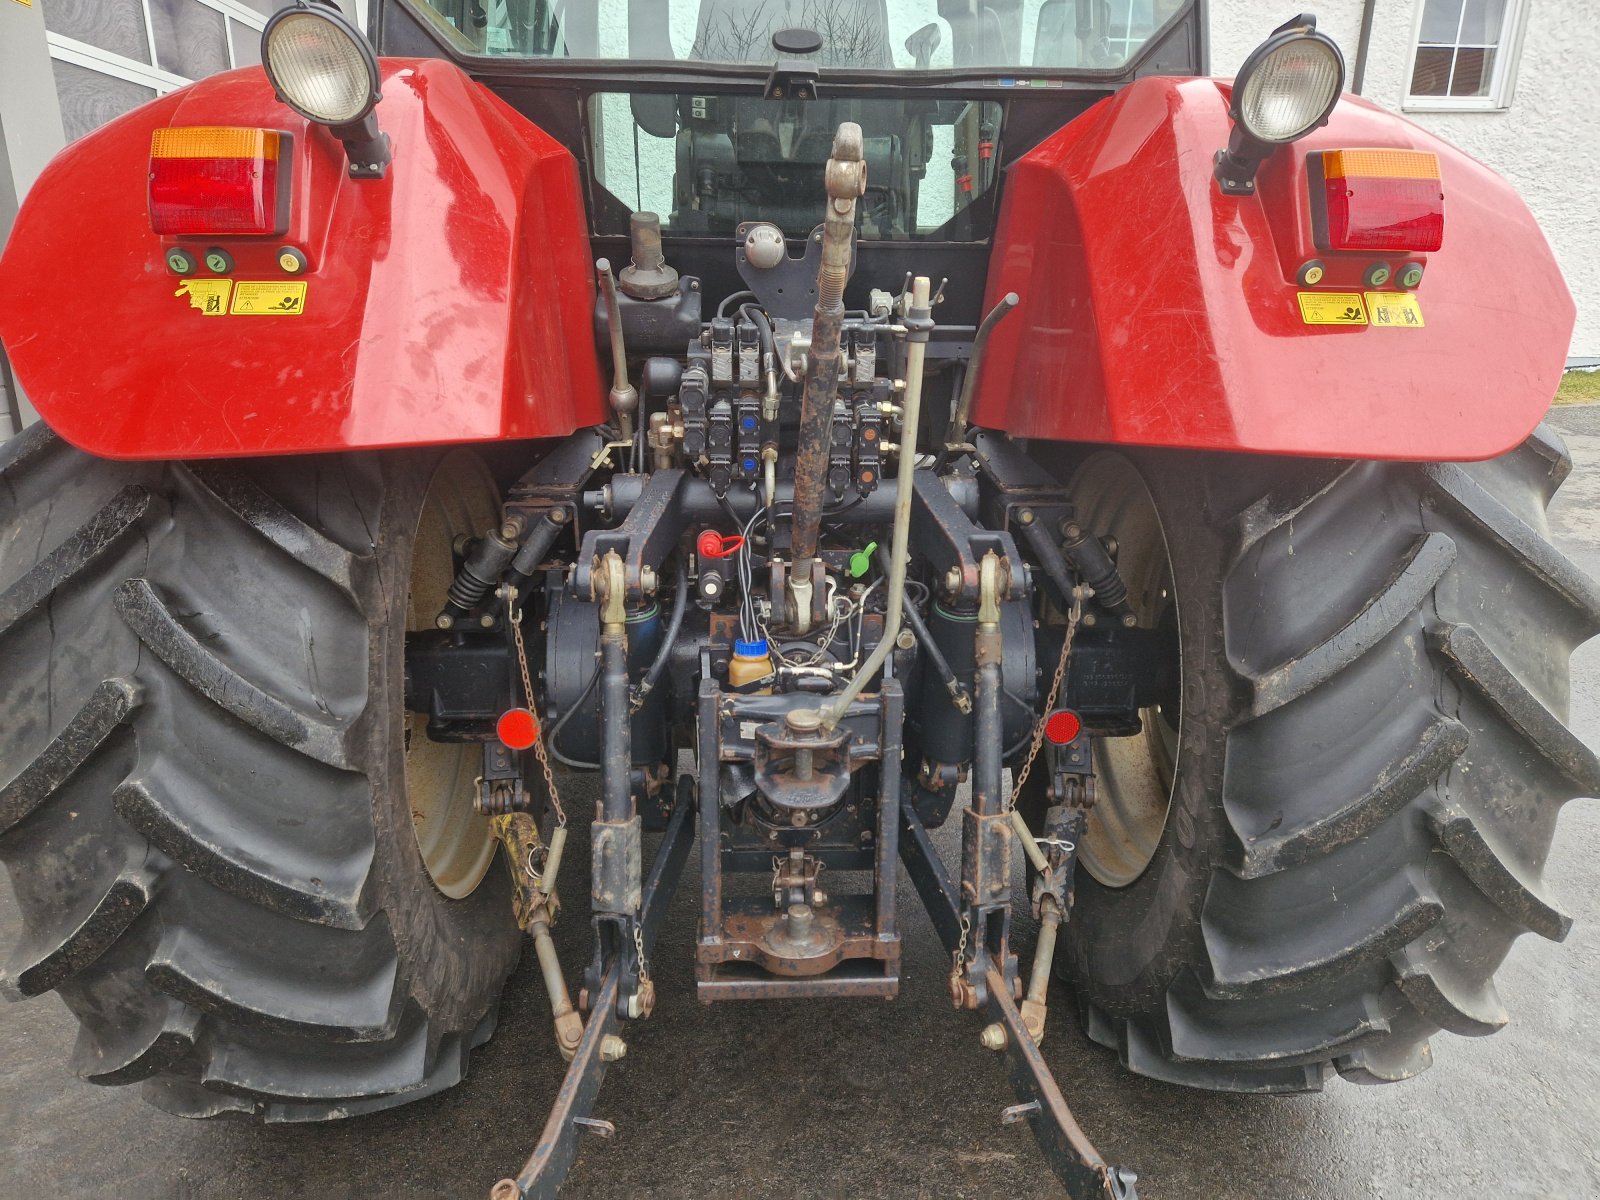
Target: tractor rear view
814,424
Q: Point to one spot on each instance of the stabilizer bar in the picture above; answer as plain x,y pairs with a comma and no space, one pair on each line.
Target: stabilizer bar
542,1175
1075,1162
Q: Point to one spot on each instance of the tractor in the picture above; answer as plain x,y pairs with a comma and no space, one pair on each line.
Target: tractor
790,425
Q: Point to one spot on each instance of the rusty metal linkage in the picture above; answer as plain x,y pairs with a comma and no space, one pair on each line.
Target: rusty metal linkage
846,181
1073,1159
601,1044
536,906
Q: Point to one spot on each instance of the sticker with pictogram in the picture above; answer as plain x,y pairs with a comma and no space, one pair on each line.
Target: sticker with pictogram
280,298
210,296
1331,308
1394,310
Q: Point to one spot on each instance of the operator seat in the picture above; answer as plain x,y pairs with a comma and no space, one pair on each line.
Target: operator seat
742,157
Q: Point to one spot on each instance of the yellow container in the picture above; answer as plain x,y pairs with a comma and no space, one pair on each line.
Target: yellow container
750,662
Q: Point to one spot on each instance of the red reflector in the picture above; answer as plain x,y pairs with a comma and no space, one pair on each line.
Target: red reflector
1062,727
1379,200
217,181
517,728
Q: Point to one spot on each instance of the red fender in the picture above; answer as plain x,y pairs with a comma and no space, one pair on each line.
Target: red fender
447,302
1156,311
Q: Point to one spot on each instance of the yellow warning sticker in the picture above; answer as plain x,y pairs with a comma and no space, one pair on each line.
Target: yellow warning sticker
1394,310
1331,308
210,296
275,298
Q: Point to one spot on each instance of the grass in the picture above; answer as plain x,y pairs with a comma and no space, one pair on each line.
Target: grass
1579,387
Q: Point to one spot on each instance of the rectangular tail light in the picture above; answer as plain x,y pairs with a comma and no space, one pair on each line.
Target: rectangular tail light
209,180
1376,200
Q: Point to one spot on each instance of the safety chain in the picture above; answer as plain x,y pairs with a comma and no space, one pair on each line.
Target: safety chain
958,960
638,944
514,615
1074,615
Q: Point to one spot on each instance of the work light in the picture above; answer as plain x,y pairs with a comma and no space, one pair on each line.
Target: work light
1284,90
321,66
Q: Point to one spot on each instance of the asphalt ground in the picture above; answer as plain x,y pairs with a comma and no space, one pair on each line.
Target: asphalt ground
863,1098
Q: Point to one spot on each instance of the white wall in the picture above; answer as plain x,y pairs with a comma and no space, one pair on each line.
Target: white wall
1547,143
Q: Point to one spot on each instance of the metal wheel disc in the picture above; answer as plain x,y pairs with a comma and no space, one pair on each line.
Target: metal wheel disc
1134,774
454,839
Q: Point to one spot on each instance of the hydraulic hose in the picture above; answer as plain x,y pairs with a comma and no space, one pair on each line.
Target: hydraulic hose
680,602
846,181
918,322
936,657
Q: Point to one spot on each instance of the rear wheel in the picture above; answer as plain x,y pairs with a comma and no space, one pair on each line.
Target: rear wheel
1326,855
256,893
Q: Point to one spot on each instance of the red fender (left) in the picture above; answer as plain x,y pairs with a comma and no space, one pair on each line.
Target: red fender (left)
449,301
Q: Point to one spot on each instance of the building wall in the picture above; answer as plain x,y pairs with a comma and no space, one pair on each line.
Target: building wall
1547,142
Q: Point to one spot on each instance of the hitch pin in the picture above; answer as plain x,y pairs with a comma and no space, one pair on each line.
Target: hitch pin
597,1126
1019,1112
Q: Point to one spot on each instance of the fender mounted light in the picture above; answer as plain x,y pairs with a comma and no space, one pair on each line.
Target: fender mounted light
1376,200
209,180
1284,90
322,66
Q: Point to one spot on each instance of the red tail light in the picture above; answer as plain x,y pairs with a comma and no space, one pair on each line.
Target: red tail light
219,180
1376,200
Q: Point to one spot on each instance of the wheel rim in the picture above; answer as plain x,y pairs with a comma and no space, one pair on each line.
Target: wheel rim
1134,775
454,839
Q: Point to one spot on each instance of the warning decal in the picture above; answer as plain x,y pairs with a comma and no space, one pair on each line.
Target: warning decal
280,299
1394,310
210,296
1331,308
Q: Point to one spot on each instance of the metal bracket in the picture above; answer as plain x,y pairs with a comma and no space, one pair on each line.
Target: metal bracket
644,539
944,535
500,785
787,290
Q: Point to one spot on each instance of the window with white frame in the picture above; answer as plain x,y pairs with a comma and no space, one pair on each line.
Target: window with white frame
112,55
1465,54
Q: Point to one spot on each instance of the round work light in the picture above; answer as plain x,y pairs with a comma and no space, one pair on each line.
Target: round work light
1284,90
320,65
1288,87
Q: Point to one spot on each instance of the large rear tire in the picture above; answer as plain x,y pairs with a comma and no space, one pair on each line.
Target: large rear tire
1371,756
203,800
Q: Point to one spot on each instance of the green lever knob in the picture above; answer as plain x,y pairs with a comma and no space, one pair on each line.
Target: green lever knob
861,561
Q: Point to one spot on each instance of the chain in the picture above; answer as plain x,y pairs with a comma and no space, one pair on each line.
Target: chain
514,615
638,944
958,960
1074,615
